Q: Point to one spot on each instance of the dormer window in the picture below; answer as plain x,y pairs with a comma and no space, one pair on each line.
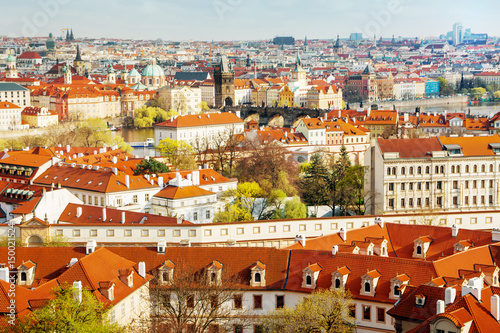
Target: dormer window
369,282
26,273
396,283
258,274
461,246
420,246
419,249
420,300
339,277
214,272
107,289
126,276
23,276
310,276
166,272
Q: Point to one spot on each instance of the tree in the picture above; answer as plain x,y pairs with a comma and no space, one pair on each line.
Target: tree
496,94
204,106
57,241
322,311
179,153
445,89
158,102
196,301
65,314
147,116
314,184
93,133
478,93
150,166
295,209
233,212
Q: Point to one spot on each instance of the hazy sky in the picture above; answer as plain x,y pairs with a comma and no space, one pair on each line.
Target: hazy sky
245,19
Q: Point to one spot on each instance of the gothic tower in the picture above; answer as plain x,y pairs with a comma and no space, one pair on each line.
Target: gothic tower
78,63
224,84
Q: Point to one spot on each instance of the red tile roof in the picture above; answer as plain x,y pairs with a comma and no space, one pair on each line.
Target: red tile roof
410,148
206,119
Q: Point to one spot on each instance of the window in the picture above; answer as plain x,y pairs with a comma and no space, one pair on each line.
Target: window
280,301
419,170
177,233
473,220
396,290
223,232
411,186
350,225
367,287
238,328
192,233
258,329
207,214
257,301
23,276
144,233
466,200
334,226
439,201
467,184
146,197
241,231
475,168
256,230
391,186
367,312
208,232
455,201
455,184
302,227
352,311
134,198
238,301
195,216
272,229
128,233
161,233
402,186
93,232
381,315
411,170
402,202
427,186
318,227
110,232
439,185
427,170
488,220
59,232
391,203
419,249
467,169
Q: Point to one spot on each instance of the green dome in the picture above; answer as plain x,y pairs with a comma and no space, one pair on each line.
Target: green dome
133,73
153,70
11,58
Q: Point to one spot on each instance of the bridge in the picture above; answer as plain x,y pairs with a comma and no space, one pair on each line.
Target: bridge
270,115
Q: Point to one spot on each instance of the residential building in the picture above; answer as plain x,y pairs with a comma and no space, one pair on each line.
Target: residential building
363,84
380,121
325,97
184,100
15,94
36,116
10,116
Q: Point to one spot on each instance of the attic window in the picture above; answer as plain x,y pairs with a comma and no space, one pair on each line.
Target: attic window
420,300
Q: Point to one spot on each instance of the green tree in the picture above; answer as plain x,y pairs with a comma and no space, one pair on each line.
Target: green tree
56,241
204,106
314,184
179,153
496,94
445,89
322,311
478,93
147,116
158,102
150,166
65,314
295,209
93,133
233,213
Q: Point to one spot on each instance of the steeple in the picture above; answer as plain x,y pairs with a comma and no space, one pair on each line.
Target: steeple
78,56
306,44
337,44
393,41
67,35
71,37
248,60
298,62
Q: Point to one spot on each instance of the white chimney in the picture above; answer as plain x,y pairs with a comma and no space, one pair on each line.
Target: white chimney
126,158
80,154
77,291
454,230
178,178
340,114
78,211
162,244
449,295
142,269
495,235
380,221
74,156
179,220
91,245
68,148
495,307
406,116
127,181
114,170
123,218
335,250
104,217
72,261
238,114
196,178
160,182
114,159
301,239
4,273
474,287
95,152
439,307
343,234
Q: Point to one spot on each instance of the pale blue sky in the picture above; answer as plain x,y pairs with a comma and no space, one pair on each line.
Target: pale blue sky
245,19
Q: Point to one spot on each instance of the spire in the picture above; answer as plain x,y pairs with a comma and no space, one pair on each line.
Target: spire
393,41
71,37
337,44
305,41
67,35
224,64
78,56
298,62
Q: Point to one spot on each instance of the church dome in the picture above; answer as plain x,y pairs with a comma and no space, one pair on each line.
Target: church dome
133,73
11,58
153,70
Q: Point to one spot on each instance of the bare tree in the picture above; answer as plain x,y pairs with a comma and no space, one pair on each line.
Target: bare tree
208,300
200,146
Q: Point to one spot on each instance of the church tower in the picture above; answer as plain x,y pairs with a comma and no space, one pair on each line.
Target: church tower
111,75
224,84
68,79
11,70
299,76
78,63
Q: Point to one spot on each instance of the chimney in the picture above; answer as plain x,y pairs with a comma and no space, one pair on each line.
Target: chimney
123,218
127,181
406,116
196,178
77,291
238,114
4,273
495,235
114,159
104,217
178,178
114,170
449,295
340,114
343,234
301,239
162,244
205,166
495,307
179,220
335,249
160,182
454,231
90,247
439,307
380,221
68,148
72,261
474,287
95,152
142,269
78,211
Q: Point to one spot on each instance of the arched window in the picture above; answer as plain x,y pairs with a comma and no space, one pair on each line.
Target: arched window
388,171
367,287
396,290
411,170
491,167
419,170
165,277
394,171
213,277
257,277
442,169
427,169
483,168
467,168
436,169
452,169
308,280
458,168
337,283
475,168
403,170
419,249
23,276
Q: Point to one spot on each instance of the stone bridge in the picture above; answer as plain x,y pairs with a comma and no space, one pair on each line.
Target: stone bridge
269,115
